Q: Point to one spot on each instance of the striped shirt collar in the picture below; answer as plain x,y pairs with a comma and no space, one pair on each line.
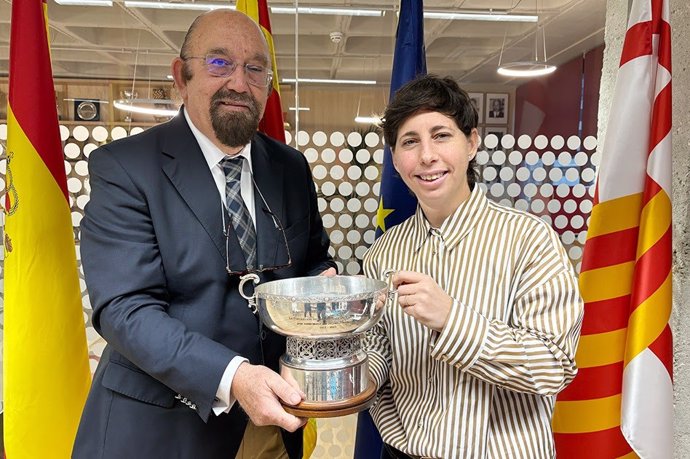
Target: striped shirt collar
456,226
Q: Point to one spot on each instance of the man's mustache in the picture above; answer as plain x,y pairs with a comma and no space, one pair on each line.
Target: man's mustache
228,95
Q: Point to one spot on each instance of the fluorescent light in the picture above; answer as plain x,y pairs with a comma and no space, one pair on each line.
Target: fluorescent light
492,16
72,99
175,6
326,10
128,105
525,69
85,2
301,109
169,77
327,81
368,119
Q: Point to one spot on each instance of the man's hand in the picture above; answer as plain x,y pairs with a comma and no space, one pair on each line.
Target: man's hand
330,272
259,391
422,298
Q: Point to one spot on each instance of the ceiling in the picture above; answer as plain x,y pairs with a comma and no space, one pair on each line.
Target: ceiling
122,42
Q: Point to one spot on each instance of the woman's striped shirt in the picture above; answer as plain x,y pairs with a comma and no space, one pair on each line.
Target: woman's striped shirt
485,386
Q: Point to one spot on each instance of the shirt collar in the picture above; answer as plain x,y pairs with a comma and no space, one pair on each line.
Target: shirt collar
212,154
457,225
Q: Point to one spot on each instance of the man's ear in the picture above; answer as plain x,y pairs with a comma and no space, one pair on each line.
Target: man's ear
177,68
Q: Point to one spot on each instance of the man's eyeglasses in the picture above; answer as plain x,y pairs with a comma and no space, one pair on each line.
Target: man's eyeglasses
220,66
227,229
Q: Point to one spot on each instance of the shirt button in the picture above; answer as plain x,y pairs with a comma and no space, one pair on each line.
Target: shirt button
420,424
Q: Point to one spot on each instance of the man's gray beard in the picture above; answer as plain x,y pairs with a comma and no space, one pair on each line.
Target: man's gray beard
234,129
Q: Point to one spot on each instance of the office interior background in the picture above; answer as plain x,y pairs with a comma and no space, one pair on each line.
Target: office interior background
541,136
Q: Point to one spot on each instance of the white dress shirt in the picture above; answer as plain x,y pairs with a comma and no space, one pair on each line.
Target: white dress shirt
213,155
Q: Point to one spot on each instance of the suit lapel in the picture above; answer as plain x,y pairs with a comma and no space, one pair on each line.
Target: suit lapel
185,166
269,181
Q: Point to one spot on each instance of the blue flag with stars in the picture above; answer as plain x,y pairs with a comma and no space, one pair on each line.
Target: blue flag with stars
396,202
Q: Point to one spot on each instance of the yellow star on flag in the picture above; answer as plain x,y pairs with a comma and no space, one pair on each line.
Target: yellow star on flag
381,215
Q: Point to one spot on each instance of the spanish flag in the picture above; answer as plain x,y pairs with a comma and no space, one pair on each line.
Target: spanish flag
46,369
621,402
272,122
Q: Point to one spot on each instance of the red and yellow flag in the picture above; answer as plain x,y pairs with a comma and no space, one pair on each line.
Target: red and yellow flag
621,402
272,122
46,369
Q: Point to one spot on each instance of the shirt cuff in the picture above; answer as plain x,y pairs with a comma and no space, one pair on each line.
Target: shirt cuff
224,400
462,339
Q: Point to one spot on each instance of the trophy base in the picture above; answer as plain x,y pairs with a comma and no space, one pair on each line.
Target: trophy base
351,405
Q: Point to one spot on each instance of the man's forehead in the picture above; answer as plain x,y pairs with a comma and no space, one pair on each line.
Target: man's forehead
229,40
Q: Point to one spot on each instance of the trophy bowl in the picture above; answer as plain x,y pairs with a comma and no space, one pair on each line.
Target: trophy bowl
324,319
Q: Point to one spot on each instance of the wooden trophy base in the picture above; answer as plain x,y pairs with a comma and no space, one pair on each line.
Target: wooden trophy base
334,409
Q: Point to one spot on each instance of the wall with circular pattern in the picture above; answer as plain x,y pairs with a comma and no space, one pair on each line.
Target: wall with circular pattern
552,178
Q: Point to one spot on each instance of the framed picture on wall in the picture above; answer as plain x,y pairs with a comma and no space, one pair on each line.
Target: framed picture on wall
497,108
498,131
477,99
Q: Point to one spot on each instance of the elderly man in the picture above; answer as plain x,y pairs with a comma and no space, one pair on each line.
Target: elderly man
176,215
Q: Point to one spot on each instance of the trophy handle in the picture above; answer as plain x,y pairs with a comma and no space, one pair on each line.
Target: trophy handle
251,299
388,275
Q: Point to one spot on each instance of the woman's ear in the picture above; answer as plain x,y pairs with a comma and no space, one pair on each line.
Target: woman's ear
474,144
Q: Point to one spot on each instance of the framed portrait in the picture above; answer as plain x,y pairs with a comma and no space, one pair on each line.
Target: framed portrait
477,99
497,108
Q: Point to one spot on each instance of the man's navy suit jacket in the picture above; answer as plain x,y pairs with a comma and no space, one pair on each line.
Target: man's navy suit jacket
154,258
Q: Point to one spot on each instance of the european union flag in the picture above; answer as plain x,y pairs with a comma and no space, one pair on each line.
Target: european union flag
396,202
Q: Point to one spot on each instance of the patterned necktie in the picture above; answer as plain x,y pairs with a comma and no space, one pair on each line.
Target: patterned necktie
241,221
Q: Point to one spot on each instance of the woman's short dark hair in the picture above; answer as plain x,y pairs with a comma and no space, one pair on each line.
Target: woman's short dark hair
431,93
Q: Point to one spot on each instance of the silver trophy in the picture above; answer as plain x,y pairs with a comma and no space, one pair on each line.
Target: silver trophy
324,319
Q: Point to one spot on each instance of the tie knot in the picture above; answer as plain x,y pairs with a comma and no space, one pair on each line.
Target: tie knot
232,166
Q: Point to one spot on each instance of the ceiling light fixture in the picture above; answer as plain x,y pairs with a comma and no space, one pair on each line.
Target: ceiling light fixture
368,120
527,69
72,99
491,16
326,81
85,2
136,106
197,6
326,10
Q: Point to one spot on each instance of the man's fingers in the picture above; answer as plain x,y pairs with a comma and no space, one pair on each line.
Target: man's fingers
290,422
287,376
285,391
330,272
